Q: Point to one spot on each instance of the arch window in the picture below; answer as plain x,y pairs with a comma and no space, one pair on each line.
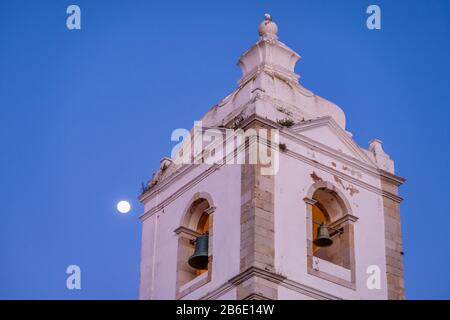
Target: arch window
329,216
197,221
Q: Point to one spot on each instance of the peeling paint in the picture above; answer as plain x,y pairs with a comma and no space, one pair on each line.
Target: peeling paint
352,171
350,188
315,177
338,181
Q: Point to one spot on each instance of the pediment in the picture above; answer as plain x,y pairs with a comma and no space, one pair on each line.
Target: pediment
326,132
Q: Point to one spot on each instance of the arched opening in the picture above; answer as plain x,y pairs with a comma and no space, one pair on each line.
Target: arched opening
329,209
195,223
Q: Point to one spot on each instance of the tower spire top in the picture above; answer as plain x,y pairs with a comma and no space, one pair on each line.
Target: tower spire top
268,29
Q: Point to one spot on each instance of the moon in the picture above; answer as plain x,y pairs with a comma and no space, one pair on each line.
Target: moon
123,206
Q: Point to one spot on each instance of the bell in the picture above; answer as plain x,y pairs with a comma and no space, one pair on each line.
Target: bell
199,260
323,237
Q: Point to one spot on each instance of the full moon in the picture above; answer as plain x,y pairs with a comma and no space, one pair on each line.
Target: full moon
123,206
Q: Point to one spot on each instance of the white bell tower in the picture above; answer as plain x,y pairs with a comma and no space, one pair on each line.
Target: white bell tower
324,225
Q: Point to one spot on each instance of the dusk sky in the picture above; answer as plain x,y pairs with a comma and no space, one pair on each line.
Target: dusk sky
86,115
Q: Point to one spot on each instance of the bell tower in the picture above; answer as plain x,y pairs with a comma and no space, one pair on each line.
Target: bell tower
319,220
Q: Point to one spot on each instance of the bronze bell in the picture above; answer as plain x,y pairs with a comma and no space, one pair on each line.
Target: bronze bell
323,237
199,260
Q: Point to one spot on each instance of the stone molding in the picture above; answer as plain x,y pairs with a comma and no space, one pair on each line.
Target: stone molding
378,173
338,131
347,219
186,231
273,277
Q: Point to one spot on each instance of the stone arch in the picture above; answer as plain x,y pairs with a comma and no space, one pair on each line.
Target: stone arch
325,197
342,200
191,218
197,219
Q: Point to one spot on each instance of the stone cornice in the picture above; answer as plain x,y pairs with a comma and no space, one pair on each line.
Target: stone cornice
369,168
338,131
345,177
217,293
364,167
254,271
317,146
308,291
184,230
391,178
165,184
254,117
189,167
271,70
272,277
160,186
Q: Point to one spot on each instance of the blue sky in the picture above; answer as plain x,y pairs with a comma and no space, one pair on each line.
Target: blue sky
86,115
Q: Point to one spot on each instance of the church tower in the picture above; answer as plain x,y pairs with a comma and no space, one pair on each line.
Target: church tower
320,220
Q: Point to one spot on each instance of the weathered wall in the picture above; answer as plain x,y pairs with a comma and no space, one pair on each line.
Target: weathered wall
291,223
394,248
221,185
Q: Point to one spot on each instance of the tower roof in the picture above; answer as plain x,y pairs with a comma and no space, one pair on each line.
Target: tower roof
269,53
269,86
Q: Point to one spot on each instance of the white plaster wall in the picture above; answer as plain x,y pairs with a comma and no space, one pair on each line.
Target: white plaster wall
291,186
224,187
322,142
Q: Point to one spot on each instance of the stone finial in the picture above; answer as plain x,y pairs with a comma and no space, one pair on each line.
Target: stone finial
164,163
269,54
268,29
375,146
379,156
